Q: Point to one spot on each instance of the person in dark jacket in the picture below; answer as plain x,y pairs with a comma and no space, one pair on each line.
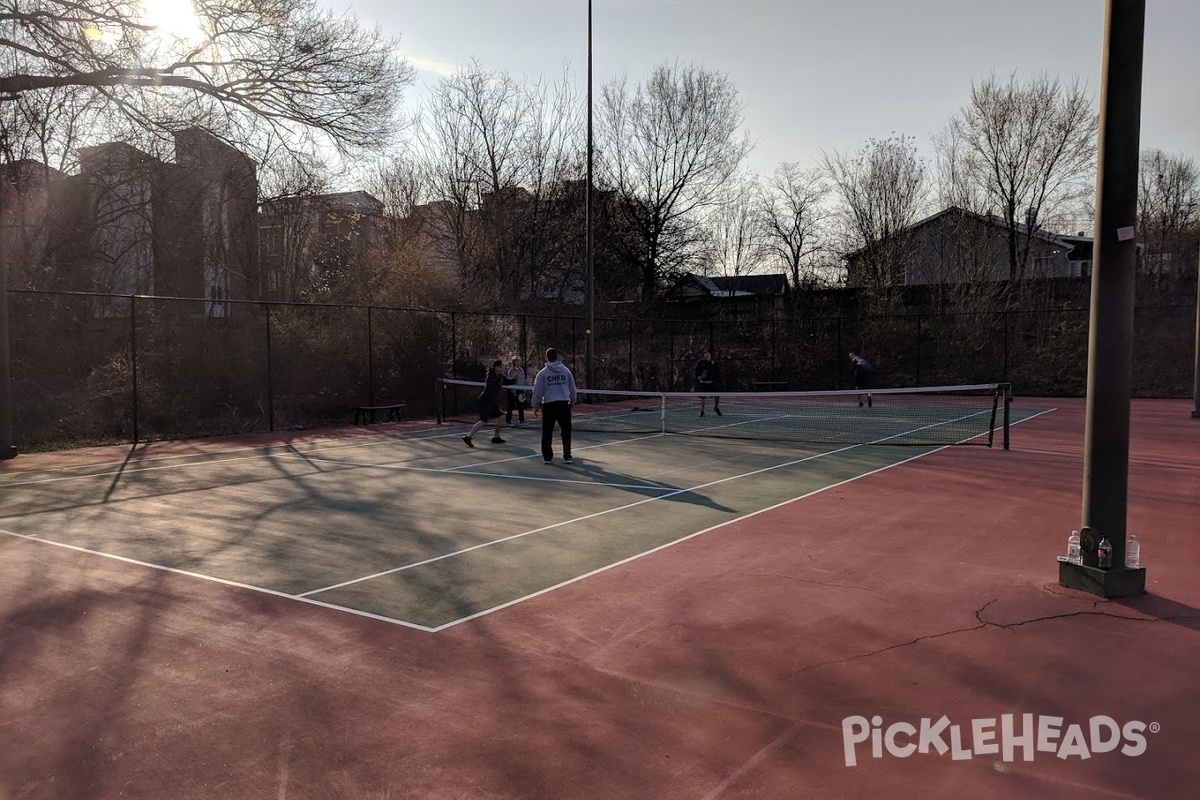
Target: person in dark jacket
489,404
708,382
862,377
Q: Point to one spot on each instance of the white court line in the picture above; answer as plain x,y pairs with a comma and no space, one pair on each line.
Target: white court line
670,494
593,515
222,581
719,525
414,626
681,539
198,461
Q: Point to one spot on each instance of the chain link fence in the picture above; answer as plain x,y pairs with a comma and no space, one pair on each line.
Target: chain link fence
93,368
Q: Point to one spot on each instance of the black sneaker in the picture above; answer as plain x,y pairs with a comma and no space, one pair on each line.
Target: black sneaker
568,460
702,413
549,460
497,440
468,441
868,401
719,414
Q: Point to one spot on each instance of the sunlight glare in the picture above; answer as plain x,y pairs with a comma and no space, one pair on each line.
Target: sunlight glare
174,20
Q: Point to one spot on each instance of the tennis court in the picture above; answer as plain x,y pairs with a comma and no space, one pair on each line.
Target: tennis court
333,661
414,528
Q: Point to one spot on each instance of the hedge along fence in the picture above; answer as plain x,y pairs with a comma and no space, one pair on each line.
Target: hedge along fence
99,368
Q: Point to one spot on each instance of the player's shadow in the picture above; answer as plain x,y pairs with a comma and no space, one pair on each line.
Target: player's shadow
646,487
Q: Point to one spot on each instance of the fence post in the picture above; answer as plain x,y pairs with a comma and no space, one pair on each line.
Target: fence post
774,376
918,349
630,355
270,376
525,343
453,345
671,366
133,362
370,361
837,356
1007,313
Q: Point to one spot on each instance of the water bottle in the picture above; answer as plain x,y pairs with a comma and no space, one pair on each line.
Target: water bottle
1073,548
1104,554
1133,552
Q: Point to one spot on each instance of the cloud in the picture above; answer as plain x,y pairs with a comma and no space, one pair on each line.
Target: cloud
442,69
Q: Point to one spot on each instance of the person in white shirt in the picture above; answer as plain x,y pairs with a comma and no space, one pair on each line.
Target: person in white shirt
554,392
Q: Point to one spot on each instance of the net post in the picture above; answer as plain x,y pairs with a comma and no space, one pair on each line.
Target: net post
1007,412
662,413
439,401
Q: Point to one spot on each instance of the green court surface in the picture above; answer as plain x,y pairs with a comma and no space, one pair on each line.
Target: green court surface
416,528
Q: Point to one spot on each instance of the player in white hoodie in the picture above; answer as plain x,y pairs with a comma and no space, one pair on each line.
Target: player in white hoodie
554,392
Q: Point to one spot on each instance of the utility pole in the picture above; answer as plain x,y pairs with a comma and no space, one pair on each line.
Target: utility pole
589,288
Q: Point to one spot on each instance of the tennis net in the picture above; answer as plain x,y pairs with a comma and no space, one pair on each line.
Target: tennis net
937,415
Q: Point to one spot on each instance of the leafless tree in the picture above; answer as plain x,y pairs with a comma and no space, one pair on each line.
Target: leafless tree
880,189
1168,213
792,212
289,66
500,156
1025,150
667,148
736,243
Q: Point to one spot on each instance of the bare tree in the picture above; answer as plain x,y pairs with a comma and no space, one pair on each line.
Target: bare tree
667,148
792,213
736,243
1028,151
500,156
239,65
1168,212
880,189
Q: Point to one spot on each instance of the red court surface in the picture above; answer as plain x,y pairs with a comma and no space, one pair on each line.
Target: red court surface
721,667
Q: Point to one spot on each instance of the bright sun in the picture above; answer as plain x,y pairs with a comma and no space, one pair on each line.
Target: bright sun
174,21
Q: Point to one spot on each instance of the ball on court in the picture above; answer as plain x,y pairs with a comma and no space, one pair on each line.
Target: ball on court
587,332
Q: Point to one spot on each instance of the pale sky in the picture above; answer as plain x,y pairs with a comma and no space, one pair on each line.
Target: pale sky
813,75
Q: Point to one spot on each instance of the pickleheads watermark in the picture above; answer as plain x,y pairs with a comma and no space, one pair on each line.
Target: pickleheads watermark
1007,737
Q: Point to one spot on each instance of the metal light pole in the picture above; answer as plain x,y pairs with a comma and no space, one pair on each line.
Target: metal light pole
589,334
1110,344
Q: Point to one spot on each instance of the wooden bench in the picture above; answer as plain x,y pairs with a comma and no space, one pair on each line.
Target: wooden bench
364,413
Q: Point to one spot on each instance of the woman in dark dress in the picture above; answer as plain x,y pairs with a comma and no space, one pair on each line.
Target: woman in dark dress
489,404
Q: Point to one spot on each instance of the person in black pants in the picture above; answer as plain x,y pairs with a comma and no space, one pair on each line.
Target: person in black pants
554,392
489,405
708,382
862,377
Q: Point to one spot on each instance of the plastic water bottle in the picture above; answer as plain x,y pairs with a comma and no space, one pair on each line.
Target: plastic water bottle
1133,552
1073,548
1104,554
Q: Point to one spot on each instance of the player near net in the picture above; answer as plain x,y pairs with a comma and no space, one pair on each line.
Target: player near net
862,377
489,404
708,382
